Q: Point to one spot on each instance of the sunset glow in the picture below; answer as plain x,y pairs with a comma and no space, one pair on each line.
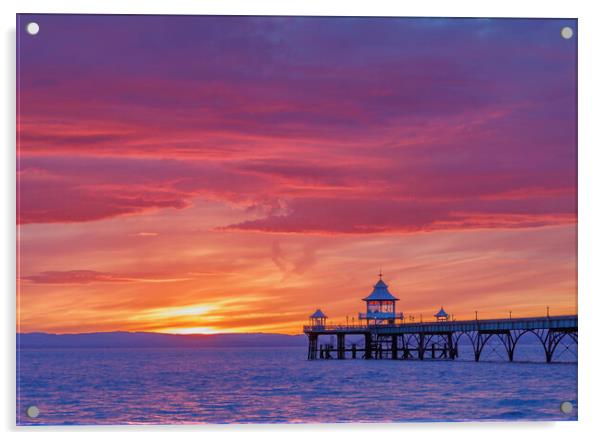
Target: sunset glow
231,174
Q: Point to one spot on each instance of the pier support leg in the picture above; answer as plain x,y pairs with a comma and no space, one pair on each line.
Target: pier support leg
341,346
510,346
367,346
421,346
450,344
481,340
312,352
394,347
405,347
546,338
353,351
550,339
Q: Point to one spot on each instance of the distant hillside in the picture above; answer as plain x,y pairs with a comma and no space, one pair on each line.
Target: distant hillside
141,339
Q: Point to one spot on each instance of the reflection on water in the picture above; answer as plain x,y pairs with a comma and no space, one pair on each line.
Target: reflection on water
168,386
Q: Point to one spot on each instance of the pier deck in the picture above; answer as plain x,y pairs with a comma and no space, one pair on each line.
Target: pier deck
440,339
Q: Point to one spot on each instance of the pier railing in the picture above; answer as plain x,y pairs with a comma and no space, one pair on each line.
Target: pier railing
381,315
531,323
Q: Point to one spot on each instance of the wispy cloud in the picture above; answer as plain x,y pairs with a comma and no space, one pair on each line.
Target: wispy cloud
91,276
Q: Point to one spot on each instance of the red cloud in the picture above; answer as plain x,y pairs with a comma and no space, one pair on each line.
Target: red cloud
61,200
54,189
301,195
373,215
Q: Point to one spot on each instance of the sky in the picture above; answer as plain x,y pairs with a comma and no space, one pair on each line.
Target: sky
231,174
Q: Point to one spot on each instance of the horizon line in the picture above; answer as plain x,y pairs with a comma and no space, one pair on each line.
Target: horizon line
283,334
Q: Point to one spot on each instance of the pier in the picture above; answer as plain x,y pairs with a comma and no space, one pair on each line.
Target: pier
386,335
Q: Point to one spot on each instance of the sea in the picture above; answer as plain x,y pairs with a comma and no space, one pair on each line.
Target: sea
79,386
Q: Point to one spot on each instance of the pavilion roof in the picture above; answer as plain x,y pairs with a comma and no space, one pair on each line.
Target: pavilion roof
441,314
318,314
380,293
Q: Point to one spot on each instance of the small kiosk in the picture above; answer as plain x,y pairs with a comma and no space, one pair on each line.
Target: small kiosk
318,319
441,315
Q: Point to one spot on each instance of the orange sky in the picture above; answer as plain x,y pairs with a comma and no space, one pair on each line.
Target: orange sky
153,277
232,174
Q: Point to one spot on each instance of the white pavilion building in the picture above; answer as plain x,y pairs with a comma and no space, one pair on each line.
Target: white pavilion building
380,306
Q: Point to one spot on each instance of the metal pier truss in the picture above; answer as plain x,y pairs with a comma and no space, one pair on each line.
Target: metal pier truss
440,340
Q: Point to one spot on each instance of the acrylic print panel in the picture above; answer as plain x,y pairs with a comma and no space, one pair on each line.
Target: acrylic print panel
296,219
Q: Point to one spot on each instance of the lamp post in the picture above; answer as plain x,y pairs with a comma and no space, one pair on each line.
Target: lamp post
548,311
510,314
476,315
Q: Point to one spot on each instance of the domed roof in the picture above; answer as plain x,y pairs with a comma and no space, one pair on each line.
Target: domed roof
318,314
441,314
380,293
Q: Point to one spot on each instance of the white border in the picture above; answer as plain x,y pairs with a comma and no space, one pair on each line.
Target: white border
590,197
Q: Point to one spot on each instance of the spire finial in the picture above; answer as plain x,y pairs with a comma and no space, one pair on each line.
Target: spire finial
380,274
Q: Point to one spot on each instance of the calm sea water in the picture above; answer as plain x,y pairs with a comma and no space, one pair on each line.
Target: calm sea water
172,386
